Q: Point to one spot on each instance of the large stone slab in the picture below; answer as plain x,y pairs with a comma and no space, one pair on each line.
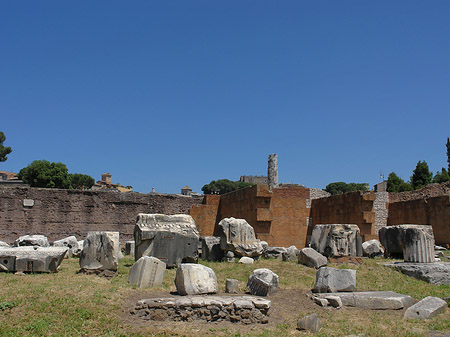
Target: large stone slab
413,243
194,279
100,251
335,240
70,242
238,236
375,300
236,309
426,308
171,238
434,273
311,258
330,280
262,282
147,272
32,240
211,250
31,259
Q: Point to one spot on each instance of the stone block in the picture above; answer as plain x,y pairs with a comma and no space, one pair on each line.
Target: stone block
231,286
229,257
4,244
435,273
311,258
211,250
32,240
330,280
147,272
335,240
309,323
274,253
246,260
426,308
70,242
171,238
31,259
238,236
194,279
262,282
291,254
100,251
372,248
129,248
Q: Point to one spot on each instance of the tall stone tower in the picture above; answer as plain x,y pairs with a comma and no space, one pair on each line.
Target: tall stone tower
272,171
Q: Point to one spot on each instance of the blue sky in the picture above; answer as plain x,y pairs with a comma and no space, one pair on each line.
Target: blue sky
175,93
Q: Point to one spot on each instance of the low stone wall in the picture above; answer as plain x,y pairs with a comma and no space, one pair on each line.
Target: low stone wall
237,309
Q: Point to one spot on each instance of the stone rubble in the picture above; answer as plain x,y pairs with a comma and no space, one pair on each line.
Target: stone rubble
426,308
231,286
147,272
32,240
100,252
31,259
291,254
311,258
274,252
211,250
435,273
330,280
309,323
372,248
262,282
195,279
70,242
246,260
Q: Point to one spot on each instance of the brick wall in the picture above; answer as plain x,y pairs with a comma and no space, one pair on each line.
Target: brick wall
60,213
205,215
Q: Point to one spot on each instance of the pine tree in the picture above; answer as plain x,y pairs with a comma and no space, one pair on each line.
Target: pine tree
421,175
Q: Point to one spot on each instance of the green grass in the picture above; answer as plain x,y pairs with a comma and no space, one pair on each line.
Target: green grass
71,304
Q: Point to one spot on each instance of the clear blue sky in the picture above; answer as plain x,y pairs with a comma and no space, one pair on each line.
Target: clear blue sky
175,93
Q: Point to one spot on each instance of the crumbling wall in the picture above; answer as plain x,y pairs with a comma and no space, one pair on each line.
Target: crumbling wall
59,213
205,215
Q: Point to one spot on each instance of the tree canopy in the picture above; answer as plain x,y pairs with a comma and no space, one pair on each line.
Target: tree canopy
42,173
397,184
4,150
441,177
421,175
223,186
81,181
341,187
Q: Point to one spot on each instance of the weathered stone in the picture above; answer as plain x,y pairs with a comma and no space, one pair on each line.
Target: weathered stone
70,242
211,250
375,300
262,282
229,257
426,308
238,236
330,280
129,247
274,252
171,238
231,286
309,323
32,240
336,240
320,301
4,244
100,251
291,254
434,273
272,171
77,252
193,279
413,243
246,260
311,258
31,259
147,272
334,301
372,248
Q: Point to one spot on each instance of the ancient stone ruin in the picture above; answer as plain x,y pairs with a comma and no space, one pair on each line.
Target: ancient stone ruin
147,272
337,240
195,279
100,252
171,238
31,259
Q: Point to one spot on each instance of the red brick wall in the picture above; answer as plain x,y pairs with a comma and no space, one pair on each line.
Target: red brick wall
205,215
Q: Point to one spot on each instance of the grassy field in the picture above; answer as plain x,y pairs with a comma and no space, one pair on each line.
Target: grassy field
71,304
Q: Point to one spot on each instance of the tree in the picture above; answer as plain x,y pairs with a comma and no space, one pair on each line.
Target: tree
223,186
340,187
4,150
441,177
421,175
397,184
42,173
81,181
448,153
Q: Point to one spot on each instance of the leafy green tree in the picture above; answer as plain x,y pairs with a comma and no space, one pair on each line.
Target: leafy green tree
448,153
397,184
81,181
441,177
42,173
4,150
421,175
223,186
340,187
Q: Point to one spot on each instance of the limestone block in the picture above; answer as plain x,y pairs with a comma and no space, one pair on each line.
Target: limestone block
413,243
335,240
31,259
291,254
77,252
231,286
194,279
100,251
129,247
70,242
3,244
372,248
171,238
147,272
246,260
32,240
211,250
330,280
238,236
311,258
309,323
434,273
426,308
274,252
262,282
